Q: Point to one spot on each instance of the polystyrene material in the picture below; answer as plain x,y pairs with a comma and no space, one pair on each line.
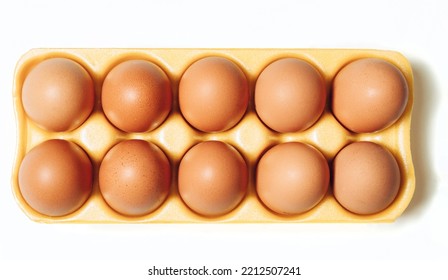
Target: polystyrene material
250,136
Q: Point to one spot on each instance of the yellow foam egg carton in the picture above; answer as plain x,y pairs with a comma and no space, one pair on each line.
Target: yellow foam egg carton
250,136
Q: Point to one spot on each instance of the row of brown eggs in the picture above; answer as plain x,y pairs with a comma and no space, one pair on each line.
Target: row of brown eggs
368,95
55,178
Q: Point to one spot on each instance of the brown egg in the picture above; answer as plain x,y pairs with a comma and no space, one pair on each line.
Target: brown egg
292,178
213,178
366,178
136,96
55,177
134,177
58,94
213,94
290,95
369,94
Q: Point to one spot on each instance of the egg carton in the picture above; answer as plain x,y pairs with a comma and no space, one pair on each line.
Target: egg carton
250,136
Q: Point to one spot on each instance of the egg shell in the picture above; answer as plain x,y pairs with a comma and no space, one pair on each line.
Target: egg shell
290,95
58,94
213,94
136,96
369,94
134,177
250,136
55,177
366,178
213,178
292,178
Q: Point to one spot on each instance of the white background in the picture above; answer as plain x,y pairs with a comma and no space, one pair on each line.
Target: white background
415,245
